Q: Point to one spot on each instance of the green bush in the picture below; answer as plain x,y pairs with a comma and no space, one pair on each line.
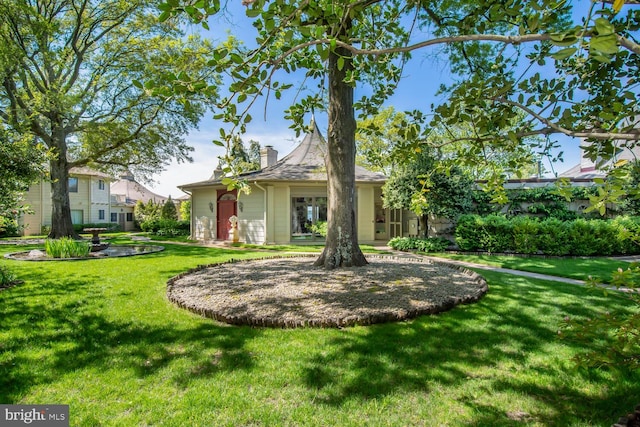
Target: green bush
431,244
553,237
498,234
525,235
7,277
166,227
468,231
110,226
320,228
628,235
66,247
9,227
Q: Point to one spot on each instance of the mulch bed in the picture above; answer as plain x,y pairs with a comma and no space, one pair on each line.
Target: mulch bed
291,292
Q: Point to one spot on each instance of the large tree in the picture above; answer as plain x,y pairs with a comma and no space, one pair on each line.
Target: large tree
70,73
496,47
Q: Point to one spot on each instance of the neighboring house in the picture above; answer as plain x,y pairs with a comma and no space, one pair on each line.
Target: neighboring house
125,193
287,198
89,197
587,169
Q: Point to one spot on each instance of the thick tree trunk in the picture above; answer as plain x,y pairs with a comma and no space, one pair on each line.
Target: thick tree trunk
61,225
341,249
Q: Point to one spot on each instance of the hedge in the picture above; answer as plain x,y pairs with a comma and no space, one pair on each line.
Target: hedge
431,244
529,235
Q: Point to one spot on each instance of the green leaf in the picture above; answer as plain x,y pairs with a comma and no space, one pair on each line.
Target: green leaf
604,27
564,53
164,16
253,12
340,63
607,45
218,143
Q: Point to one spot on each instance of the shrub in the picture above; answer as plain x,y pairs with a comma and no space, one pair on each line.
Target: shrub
581,237
110,226
9,227
552,237
166,227
66,247
467,234
431,244
525,234
7,277
497,234
627,235
320,228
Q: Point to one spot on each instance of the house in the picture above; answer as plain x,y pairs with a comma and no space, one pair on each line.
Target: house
287,198
89,197
125,193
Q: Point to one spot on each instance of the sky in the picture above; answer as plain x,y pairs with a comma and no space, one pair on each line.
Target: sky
421,79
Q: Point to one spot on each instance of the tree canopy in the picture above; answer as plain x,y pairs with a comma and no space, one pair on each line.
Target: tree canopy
427,188
21,163
71,73
520,68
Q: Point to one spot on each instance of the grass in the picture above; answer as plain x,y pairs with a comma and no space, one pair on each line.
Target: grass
573,268
101,336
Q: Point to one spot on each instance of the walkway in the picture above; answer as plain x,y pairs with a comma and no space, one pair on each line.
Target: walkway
540,276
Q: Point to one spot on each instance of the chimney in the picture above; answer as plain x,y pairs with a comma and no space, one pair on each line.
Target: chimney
217,173
268,157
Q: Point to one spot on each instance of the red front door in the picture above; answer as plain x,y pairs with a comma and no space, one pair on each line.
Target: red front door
226,208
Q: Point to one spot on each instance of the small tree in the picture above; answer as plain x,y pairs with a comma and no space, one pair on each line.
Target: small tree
425,188
185,210
169,210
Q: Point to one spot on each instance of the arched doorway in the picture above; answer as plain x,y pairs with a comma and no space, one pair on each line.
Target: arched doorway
227,207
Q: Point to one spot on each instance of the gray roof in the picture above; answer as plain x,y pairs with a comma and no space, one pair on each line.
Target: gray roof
304,163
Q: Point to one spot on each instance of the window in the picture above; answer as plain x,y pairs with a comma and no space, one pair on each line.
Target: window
73,185
77,216
129,216
306,212
100,184
114,217
101,214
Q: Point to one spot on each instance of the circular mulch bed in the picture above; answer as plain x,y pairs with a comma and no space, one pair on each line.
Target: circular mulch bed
291,292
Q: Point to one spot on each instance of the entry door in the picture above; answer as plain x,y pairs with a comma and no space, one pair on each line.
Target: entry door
226,208
121,222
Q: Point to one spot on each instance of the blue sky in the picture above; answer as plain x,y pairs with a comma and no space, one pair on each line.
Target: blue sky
417,90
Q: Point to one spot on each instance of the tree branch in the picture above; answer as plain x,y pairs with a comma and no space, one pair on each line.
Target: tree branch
555,128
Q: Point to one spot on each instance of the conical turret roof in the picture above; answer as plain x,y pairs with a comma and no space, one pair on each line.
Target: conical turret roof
305,163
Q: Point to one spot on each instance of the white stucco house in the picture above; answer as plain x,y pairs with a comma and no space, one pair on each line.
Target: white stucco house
287,197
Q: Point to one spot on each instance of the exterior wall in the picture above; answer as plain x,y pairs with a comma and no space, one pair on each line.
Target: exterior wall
251,225
281,214
366,214
89,199
203,214
265,214
39,198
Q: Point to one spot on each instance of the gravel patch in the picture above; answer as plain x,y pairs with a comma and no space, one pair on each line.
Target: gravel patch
291,292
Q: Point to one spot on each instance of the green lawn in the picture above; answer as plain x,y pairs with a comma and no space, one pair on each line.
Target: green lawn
573,268
101,336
